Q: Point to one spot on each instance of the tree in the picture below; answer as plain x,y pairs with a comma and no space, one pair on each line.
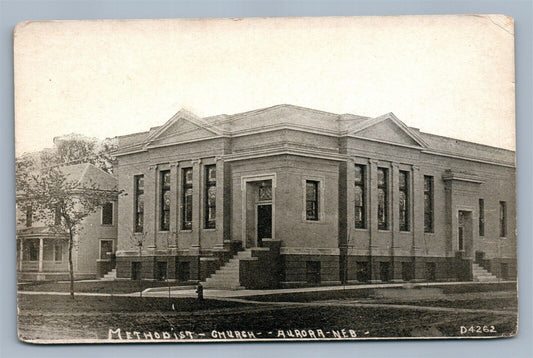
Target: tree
51,192
75,149
138,240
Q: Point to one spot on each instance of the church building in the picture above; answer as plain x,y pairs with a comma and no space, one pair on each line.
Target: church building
287,196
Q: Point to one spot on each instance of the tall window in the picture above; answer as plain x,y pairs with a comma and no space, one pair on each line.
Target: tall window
311,200
428,203
481,217
164,220
107,214
210,196
404,201
383,199
139,202
187,199
503,219
360,212
29,216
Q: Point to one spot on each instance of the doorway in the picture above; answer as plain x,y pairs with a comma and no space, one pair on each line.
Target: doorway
464,232
258,209
264,223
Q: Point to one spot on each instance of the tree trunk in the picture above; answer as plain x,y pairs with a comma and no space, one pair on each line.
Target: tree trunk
70,265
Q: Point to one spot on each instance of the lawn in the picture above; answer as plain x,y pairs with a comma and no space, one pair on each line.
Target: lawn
109,287
43,317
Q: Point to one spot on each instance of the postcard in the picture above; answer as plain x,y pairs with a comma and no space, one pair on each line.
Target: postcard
265,179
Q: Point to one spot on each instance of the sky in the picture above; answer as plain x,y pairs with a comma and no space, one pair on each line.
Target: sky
446,75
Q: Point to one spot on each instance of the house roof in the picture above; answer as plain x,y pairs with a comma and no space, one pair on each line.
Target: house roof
185,126
87,174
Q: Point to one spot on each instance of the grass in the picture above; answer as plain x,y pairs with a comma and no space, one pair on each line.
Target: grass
63,318
110,287
117,304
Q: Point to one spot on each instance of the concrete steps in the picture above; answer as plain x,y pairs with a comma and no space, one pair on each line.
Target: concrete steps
110,276
481,275
227,276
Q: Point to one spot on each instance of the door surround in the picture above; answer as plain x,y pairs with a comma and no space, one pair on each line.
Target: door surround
256,178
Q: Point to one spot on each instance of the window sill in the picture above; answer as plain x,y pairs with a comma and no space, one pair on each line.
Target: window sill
209,229
360,229
185,230
107,225
314,221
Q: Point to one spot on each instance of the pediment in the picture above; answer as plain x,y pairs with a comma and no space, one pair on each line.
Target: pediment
182,127
391,130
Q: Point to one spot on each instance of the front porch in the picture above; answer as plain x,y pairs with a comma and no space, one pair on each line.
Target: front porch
42,258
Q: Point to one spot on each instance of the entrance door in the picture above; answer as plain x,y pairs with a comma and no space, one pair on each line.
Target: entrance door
464,233
264,223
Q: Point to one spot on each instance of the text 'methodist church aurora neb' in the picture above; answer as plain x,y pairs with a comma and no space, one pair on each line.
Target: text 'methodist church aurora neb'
290,196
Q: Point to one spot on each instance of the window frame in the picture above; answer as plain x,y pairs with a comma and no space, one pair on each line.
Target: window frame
112,214
429,215
385,225
31,246
50,247
319,195
185,186
163,189
210,182
138,214
481,217
503,219
56,245
404,226
362,185
314,200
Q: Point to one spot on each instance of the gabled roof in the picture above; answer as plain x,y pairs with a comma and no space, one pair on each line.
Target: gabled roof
180,117
359,128
87,174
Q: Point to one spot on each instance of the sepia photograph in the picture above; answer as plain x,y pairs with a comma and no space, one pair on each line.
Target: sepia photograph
266,179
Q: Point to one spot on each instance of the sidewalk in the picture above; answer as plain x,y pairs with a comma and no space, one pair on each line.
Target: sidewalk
418,290
213,293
